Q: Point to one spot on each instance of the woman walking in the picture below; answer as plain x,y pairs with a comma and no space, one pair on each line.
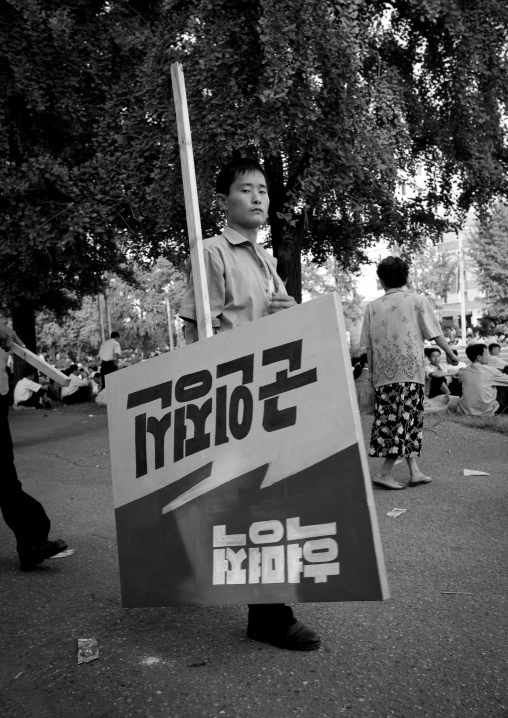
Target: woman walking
393,333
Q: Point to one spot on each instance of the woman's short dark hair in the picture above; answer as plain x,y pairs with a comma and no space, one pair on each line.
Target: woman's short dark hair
393,272
234,169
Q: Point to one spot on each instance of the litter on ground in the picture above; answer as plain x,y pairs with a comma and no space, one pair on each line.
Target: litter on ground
396,512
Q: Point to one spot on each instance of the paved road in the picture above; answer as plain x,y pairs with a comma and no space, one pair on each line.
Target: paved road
437,648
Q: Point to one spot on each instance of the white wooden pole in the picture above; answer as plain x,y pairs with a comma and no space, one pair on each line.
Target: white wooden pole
203,317
40,364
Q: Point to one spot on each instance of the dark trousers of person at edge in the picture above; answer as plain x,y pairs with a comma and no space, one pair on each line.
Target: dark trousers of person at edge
107,367
23,514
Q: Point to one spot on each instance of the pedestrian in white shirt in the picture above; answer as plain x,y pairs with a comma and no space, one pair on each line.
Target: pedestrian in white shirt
109,353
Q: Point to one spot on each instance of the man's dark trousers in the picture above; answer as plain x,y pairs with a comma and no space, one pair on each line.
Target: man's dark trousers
107,367
23,514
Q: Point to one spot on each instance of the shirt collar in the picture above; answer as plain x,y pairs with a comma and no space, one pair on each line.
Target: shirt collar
233,236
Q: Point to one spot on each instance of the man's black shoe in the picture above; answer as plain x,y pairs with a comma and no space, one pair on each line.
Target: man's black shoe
294,638
37,554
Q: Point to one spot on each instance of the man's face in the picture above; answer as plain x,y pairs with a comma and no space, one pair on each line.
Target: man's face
247,203
495,351
484,358
434,358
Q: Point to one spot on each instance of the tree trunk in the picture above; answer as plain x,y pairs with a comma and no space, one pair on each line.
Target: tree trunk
287,249
286,240
23,323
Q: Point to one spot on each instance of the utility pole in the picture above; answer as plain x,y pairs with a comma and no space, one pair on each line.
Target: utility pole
101,316
170,326
462,288
108,310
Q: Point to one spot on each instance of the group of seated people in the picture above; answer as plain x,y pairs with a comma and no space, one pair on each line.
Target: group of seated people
83,386
478,388
475,389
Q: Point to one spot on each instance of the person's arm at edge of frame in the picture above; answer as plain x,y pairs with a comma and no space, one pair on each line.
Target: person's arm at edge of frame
7,336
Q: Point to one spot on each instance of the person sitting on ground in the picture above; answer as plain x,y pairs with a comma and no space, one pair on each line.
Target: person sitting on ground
494,358
454,384
435,374
79,388
479,383
96,383
28,392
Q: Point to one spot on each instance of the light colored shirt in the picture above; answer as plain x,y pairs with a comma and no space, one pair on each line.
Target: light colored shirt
109,349
241,277
497,362
76,383
479,383
395,327
24,390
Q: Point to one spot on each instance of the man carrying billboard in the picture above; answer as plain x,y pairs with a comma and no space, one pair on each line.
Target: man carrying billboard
243,286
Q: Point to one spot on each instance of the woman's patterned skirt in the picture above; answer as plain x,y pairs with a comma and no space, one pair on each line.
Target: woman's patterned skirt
398,420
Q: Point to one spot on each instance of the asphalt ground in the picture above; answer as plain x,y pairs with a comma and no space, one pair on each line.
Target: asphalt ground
437,648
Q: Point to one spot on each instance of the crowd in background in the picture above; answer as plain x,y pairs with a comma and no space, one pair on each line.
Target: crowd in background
445,383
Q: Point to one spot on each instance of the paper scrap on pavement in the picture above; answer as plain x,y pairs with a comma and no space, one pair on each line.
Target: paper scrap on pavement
88,650
64,554
473,472
396,512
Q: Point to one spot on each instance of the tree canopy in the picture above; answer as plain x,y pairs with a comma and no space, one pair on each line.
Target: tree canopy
488,247
341,99
432,273
58,63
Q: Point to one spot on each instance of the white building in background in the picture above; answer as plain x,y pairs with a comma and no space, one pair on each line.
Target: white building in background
474,298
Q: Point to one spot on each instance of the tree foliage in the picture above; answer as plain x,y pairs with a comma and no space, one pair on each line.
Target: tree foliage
341,99
138,313
488,247
58,63
331,277
432,273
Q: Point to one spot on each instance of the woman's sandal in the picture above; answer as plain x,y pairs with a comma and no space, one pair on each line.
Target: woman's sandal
387,484
419,480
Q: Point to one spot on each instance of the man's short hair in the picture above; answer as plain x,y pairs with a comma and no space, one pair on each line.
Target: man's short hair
115,335
393,271
430,350
494,345
73,367
474,351
28,371
234,169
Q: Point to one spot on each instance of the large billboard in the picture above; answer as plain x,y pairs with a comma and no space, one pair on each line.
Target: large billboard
239,469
